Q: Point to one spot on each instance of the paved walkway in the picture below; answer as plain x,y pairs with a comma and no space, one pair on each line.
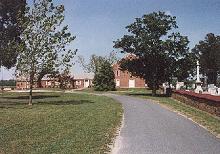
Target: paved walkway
148,128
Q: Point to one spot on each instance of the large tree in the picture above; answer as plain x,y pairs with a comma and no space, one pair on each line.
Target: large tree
44,41
158,48
208,52
10,30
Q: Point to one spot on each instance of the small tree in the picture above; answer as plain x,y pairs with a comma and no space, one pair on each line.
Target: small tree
157,48
95,61
64,79
104,77
44,41
208,52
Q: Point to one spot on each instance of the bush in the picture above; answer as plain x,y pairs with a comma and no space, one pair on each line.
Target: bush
104,78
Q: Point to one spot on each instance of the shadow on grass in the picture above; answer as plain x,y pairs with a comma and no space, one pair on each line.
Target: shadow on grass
34,97
24,104
68,102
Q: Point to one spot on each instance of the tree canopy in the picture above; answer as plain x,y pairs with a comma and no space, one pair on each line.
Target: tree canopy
161,52
208,52
10,30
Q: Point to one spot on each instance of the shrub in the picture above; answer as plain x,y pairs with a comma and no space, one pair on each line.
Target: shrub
104,78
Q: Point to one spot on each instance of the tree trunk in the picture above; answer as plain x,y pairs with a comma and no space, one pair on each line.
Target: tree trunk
40,77
54,82
169,90
154,89
30,96
31,88
212,77
169,82
39,85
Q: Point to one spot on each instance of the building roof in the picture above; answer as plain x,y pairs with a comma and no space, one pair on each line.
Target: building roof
126,57
22,78
47,78
84,76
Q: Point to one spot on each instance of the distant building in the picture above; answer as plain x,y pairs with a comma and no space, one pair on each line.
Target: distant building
78,81
83,80
24,83
124,79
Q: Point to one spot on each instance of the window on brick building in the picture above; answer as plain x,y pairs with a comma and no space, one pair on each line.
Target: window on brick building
118,73
78,83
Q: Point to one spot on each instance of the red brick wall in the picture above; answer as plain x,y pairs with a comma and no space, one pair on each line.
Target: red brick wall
21,85
45,84
139,83
78,83
125,76
24,85
203,102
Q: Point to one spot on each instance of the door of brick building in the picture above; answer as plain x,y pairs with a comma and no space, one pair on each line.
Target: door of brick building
86,83
131,83
117,83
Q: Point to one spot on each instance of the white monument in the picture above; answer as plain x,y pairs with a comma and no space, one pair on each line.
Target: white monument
198,82
165,86
179,85
218,91
212,89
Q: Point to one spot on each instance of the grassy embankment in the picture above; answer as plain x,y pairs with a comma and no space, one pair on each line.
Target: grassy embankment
57,123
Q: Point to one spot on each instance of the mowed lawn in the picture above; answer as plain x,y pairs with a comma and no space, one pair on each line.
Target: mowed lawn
57,123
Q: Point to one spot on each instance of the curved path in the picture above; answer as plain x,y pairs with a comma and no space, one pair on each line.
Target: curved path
149,128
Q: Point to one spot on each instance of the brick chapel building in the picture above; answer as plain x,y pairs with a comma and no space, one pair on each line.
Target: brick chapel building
124,79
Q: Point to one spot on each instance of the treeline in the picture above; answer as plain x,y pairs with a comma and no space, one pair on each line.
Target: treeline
10,83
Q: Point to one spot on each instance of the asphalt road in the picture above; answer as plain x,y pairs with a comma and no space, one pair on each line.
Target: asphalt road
149,128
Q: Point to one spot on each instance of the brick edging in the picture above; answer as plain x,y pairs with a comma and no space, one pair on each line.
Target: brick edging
209,106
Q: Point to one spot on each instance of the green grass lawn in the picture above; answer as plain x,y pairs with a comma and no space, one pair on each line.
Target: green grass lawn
118,90
90,90
212,123
57,123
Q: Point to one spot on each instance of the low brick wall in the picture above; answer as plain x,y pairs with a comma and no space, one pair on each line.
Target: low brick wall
203,102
